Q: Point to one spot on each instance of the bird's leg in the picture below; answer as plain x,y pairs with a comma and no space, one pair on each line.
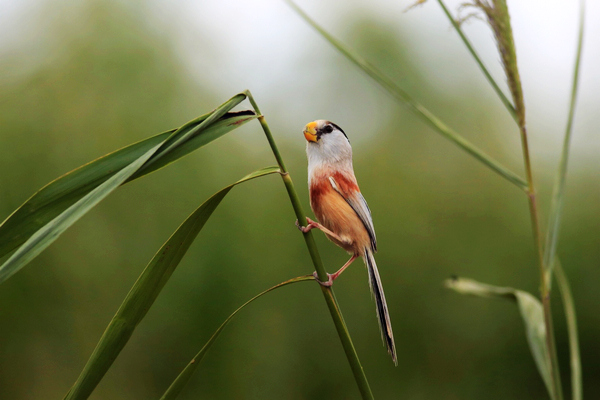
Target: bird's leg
334,276
312,224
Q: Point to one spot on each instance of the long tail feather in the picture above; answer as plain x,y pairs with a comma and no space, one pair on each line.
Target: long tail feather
385,325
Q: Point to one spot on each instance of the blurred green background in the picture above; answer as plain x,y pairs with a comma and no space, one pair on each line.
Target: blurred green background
79,81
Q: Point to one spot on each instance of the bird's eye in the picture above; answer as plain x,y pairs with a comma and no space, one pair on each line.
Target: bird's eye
328,129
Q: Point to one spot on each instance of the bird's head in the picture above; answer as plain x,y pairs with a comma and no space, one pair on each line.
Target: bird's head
326,141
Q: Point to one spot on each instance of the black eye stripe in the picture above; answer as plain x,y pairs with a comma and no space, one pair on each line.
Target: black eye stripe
340,129
328,128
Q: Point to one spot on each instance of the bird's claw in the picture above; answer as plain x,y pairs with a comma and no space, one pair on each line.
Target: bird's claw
310,225
301,228
327,283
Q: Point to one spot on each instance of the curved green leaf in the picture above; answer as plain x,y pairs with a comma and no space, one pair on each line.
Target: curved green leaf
146,289
531,311
42,218
50,231
63,192
182,379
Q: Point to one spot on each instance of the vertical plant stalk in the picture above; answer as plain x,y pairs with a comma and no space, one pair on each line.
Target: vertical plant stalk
336,314
499,19
495,14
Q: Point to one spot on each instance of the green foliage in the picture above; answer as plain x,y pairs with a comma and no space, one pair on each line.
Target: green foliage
531,310
57,206
145,291
50,231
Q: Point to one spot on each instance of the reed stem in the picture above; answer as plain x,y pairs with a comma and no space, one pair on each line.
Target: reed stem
499,20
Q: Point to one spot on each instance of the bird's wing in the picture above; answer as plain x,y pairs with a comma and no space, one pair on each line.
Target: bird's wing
358,203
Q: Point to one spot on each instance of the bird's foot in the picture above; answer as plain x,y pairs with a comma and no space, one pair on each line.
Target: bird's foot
334,276
310,225
326,283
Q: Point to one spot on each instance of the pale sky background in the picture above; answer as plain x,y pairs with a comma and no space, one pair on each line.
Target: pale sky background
268,42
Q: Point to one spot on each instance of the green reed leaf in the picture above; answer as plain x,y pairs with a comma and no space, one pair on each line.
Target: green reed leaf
145,291
55,207
50,231
531,310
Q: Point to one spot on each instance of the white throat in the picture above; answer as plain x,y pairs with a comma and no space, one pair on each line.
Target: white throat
331,153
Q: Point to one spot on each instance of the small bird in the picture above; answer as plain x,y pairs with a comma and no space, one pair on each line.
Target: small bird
342,211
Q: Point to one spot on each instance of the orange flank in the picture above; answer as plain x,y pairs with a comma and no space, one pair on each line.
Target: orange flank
334,212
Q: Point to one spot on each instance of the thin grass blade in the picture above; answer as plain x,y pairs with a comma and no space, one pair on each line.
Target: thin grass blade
419,110
488,76
551,261
571,315
531,310
56,197
145,291
183,378
561,174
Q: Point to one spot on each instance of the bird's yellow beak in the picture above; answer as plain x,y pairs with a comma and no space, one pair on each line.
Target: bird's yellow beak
310,132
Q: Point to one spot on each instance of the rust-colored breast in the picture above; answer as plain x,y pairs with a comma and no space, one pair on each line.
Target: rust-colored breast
333,212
